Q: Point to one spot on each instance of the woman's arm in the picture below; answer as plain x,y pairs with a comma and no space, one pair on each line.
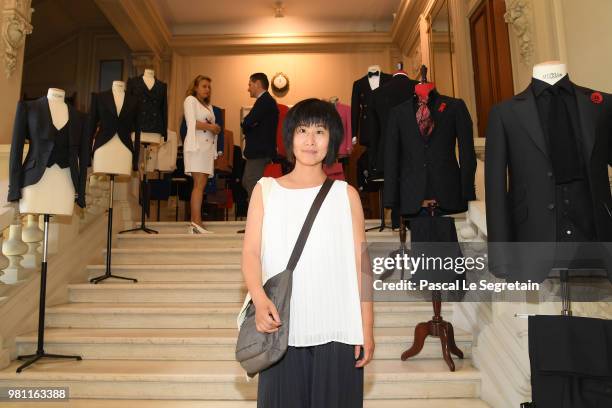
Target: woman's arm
210,127
267,318
363,278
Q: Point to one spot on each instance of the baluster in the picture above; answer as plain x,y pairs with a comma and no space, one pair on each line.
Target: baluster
32,236
13,248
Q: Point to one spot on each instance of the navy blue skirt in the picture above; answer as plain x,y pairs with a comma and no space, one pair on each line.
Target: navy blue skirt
322,376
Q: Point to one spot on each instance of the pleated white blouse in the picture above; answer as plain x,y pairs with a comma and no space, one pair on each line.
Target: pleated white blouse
325,304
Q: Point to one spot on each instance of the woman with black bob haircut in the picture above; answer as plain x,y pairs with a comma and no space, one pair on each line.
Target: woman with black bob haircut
331,334
314,112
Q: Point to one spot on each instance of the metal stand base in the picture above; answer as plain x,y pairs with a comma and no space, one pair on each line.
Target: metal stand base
37,357
109,240
40,353
145,202
382,225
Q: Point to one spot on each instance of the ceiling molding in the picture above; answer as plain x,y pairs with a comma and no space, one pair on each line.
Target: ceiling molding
139,23
262,43
405,29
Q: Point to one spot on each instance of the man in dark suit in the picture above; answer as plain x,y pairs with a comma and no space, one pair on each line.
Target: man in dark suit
546,173
259,128
424,168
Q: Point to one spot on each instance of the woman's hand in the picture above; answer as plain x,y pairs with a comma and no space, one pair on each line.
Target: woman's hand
210,127
368,351
267,319
216,129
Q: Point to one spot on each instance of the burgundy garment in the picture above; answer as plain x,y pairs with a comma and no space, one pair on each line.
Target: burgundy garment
423,117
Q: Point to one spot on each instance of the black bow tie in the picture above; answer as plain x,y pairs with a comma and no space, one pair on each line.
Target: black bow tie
375,73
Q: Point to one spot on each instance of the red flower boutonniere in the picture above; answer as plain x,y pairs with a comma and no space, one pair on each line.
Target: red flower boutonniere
443,107
596,97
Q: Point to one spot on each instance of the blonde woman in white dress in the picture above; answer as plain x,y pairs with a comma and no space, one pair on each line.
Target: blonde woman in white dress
200,146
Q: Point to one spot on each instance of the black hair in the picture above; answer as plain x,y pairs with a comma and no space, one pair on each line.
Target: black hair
262,78
310,112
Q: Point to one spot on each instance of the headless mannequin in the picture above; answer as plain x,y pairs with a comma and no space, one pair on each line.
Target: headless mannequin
550,71
422,90
374,80
146,137
114,157
54,192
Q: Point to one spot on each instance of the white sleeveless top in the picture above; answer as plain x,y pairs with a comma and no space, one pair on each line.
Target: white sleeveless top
325,304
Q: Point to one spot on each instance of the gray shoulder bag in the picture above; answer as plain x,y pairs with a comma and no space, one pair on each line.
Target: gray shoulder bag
257,351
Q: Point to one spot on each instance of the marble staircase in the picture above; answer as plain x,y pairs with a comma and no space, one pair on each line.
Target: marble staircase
168,340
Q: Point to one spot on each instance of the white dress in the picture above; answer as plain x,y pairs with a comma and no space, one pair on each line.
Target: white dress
325,304
200,147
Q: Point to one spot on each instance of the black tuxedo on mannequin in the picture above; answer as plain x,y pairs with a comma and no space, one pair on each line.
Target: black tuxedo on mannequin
415,169
525,209
361,101
153,105
259,127
33,122
398,89
103,112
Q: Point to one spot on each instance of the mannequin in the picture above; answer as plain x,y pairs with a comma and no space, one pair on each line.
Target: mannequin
360,103
374,80
148,78
550,71
54,192
114,157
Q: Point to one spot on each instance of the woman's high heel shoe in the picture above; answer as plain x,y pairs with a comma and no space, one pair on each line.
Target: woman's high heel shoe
198,229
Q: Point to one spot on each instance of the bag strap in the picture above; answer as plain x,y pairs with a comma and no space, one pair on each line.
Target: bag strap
312,214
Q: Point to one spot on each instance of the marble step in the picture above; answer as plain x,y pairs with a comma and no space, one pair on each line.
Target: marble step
171,292
213,240
225,380
198,241
205,315
122,403
172,273
198,344
182,227
175,256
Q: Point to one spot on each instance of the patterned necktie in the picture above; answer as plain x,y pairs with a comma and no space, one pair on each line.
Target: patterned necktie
423,117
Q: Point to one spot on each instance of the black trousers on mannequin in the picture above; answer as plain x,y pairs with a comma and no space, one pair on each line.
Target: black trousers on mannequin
571,362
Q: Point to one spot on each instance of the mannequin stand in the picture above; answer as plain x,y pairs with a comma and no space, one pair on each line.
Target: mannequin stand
109,240
436,327
40,352
144,185
382,225
566,302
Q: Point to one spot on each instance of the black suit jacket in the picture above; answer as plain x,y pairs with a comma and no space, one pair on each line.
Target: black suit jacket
259,128
522,209
33,122
103,114
411,164
152,105
398,89
361,101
